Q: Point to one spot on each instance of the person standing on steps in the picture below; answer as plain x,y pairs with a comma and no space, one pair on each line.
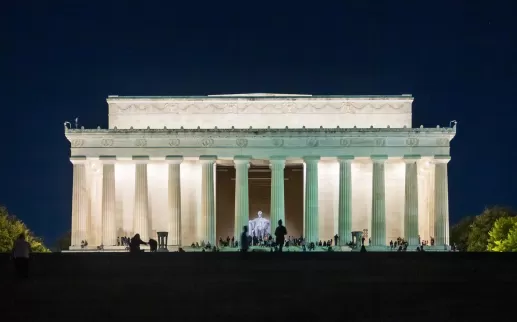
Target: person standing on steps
21,251
134,246
280,233
244,239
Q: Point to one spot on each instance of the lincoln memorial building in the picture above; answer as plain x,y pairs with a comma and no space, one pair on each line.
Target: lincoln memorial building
201,167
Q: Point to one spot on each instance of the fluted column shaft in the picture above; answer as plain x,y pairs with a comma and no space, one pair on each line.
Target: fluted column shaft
277,166
141,208
242,164
345,200
311,220
80,206
208,199
411,201
109,229
174,200
441,200
378,234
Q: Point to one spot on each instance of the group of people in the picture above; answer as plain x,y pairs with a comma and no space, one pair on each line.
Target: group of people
123,241
280,233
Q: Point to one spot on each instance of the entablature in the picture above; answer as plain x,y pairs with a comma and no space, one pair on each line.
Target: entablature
262,142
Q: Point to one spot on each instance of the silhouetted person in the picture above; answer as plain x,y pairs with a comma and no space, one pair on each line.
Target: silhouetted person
244,239
336,239
280,233
153,245
362,241
134,246
363,249
21,252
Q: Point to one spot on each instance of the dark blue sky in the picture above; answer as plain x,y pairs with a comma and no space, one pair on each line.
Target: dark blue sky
59,61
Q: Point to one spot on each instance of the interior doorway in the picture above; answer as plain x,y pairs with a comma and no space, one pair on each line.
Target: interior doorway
259,188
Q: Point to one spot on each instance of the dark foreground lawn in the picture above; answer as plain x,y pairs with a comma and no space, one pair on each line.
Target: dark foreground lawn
262,287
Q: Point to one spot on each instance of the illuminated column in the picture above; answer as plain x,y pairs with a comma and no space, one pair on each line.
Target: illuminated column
411,201
174,200
277,166
141,208
208,198
109,229
311,226
345,199
80,204
242,164
378,202
441,201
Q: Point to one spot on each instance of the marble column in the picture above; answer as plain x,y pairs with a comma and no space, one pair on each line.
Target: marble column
277,166
174,200
441,201
378,234
109,228
411,200
80,202
345,199
141,207
208,198
311,225
242,211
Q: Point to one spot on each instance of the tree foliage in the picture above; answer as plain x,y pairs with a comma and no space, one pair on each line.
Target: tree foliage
63,243
11,227
503,236
460,233
482,225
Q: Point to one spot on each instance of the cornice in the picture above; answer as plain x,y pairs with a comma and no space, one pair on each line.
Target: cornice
264,132
244,140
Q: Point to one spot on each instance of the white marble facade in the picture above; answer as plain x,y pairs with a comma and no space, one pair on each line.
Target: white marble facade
365,166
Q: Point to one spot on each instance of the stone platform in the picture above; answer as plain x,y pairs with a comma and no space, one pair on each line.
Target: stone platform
292,286
123,249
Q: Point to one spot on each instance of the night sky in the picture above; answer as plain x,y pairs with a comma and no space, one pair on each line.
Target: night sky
61,61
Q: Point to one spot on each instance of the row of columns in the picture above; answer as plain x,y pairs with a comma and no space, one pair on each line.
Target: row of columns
277,165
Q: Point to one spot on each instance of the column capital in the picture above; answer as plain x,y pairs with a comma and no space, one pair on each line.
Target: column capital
311,158
108,159
207,158
78,159
411,158
345,158
241,159
380,158
140,159
173,159
277,158
441,158
276,162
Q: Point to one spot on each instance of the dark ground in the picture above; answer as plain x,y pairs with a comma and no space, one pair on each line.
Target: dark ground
262,287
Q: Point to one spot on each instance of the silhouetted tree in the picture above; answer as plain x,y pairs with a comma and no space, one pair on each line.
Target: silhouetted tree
460,233
63,243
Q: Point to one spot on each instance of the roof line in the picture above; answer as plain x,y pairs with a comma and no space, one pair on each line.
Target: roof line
233,96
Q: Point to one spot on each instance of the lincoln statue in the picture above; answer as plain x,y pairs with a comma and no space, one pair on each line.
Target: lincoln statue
259,227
